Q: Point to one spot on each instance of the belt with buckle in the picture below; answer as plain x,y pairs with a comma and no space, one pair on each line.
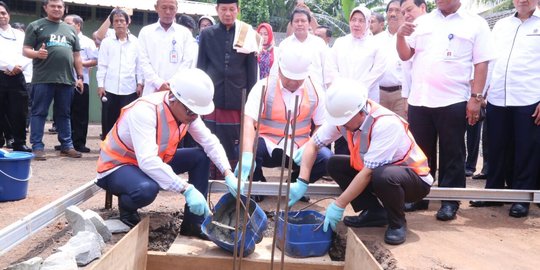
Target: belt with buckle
390,88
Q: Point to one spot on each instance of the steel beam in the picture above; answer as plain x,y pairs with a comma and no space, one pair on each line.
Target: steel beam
437,193
17,232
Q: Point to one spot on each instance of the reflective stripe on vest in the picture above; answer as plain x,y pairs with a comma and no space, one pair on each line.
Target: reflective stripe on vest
114,152
274,115
359,144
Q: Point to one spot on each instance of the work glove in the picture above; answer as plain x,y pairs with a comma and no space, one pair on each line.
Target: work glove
196,202
296,191
231,182
246,165
298,155
333,215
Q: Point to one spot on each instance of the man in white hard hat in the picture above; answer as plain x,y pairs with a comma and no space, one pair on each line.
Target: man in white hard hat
385,166
291,81
139,156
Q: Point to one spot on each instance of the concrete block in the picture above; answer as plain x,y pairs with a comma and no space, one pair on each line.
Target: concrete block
31,264
85,246
116,226
60,261
99,224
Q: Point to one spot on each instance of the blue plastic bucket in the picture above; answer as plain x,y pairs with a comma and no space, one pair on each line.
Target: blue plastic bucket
305,236
225,214
14,175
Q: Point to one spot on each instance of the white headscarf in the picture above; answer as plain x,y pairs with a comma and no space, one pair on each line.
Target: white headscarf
367,14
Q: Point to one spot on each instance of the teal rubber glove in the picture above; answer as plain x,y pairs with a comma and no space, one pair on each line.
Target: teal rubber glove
196,202
246,165
232,182
298,155
296,191
333,215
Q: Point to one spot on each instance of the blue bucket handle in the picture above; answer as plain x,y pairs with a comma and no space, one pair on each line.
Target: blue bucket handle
17,179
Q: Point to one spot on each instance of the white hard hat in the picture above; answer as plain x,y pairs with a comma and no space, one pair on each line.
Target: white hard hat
294,62
344,99
194,89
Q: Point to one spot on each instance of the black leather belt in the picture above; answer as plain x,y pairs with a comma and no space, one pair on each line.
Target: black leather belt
390,88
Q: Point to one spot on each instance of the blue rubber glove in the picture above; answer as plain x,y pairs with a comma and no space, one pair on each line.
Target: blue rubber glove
333,215
246,165
231,182
196,202
298,155
296,191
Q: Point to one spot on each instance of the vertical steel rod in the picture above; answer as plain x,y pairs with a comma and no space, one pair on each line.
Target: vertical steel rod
238,198
286,214
250,178
282,172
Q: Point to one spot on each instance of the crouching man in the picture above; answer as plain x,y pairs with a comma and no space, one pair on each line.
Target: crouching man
139,156
385,166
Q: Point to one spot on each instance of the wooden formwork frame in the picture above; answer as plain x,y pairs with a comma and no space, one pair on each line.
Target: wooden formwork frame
131,253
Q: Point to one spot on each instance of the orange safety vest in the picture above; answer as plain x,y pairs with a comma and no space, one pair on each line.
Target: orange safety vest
274,115
359,144
114,151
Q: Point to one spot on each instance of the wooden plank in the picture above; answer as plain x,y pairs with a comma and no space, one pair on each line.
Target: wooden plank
130,253
195,254
357,256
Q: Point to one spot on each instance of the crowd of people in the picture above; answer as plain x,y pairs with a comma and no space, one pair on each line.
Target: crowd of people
384,110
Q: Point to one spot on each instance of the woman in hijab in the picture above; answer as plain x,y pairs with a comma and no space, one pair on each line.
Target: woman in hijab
266,56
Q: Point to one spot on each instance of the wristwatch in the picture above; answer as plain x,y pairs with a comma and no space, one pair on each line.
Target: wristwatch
80,77
478,97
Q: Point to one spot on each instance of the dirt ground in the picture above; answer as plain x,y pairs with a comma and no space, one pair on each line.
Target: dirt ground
485,238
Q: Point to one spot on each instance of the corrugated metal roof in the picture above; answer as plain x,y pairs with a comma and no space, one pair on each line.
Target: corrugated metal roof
184,7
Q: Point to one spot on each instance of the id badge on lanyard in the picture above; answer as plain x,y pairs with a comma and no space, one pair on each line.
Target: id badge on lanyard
173,54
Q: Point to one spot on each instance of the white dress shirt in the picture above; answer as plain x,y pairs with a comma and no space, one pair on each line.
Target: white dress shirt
516,75
389,142
446,48
251,108
135,128
119,68
163,53
393,76
11,44
88,52
362,59
314,46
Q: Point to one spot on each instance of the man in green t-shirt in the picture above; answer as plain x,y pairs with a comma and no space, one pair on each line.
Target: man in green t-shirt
54,47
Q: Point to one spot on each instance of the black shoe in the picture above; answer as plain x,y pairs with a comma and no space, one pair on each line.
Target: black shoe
130,218
9,143
22,148
485,203
519,210
53,130
395,236
82,149
468,173
304,199
190,229
414,206
479,176
57,147
447,211
368,218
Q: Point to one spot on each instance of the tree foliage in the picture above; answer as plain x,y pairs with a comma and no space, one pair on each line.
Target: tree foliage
255,12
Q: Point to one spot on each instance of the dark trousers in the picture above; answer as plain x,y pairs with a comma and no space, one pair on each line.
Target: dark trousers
110,110
263,159
341,147
473,145
514,147
14,105
79,116
392,185
135,189
447,125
